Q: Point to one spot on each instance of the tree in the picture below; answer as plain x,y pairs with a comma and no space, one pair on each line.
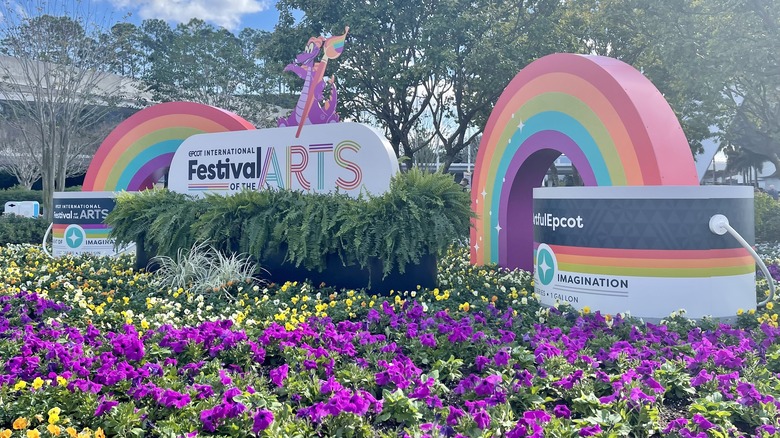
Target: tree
745,162
669,41
384,71
716,62
200,63
481,47
18,160
54,79
745,41
441,63
129,58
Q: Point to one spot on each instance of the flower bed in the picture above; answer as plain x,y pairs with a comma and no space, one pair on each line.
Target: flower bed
88,348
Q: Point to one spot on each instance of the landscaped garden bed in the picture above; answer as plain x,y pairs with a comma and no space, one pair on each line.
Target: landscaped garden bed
93,347
383,242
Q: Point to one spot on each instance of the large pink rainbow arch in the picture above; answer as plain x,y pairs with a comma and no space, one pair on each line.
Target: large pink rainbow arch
140,149
603,114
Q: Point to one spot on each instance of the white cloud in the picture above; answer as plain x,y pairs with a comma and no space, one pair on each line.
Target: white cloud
226,13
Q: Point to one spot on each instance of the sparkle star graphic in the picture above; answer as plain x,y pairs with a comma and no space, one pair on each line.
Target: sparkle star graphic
544,266
74,236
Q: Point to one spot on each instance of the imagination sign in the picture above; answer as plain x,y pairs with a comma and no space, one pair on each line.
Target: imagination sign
78,226
645,249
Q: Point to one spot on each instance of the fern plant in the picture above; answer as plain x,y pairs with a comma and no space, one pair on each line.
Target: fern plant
159,217
421,214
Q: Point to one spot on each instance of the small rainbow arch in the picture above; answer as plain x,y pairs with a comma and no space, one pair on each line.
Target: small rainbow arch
604,115
140,149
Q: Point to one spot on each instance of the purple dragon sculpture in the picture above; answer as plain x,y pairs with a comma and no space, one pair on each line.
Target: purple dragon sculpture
312,108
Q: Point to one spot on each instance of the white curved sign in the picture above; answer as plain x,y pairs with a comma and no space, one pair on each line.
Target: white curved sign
347,157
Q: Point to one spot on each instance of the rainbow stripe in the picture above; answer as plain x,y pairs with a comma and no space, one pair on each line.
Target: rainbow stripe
203,187
653,263
335,45
603,114
92,231
139,151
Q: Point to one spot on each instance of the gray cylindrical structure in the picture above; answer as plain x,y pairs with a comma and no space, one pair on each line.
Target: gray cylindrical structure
645,249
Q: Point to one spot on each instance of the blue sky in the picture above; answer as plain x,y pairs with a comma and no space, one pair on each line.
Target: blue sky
231,14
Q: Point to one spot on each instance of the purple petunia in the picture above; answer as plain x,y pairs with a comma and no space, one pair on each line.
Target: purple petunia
428,340
480,362
278,375
104,406
562,411
261,420
675,425
482,419
454,415
701,378
702,422
173,399
590,430
501,358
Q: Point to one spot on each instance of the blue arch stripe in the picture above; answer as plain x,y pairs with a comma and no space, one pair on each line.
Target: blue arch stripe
147,155
544,121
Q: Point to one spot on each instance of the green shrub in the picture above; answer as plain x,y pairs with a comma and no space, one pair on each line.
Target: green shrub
18,229
421,214
19,194
767,218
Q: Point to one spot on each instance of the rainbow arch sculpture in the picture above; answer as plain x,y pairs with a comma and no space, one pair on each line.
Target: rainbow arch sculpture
139,151
604,115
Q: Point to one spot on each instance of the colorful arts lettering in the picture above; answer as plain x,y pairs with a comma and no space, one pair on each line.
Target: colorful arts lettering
346,164
297,168
276,176
270,170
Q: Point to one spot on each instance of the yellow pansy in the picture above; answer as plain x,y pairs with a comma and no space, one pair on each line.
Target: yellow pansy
37,383
54,415
20,423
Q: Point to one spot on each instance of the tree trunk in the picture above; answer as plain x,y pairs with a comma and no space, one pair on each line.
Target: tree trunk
554,181
575,176
445,166
62,169
47,180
